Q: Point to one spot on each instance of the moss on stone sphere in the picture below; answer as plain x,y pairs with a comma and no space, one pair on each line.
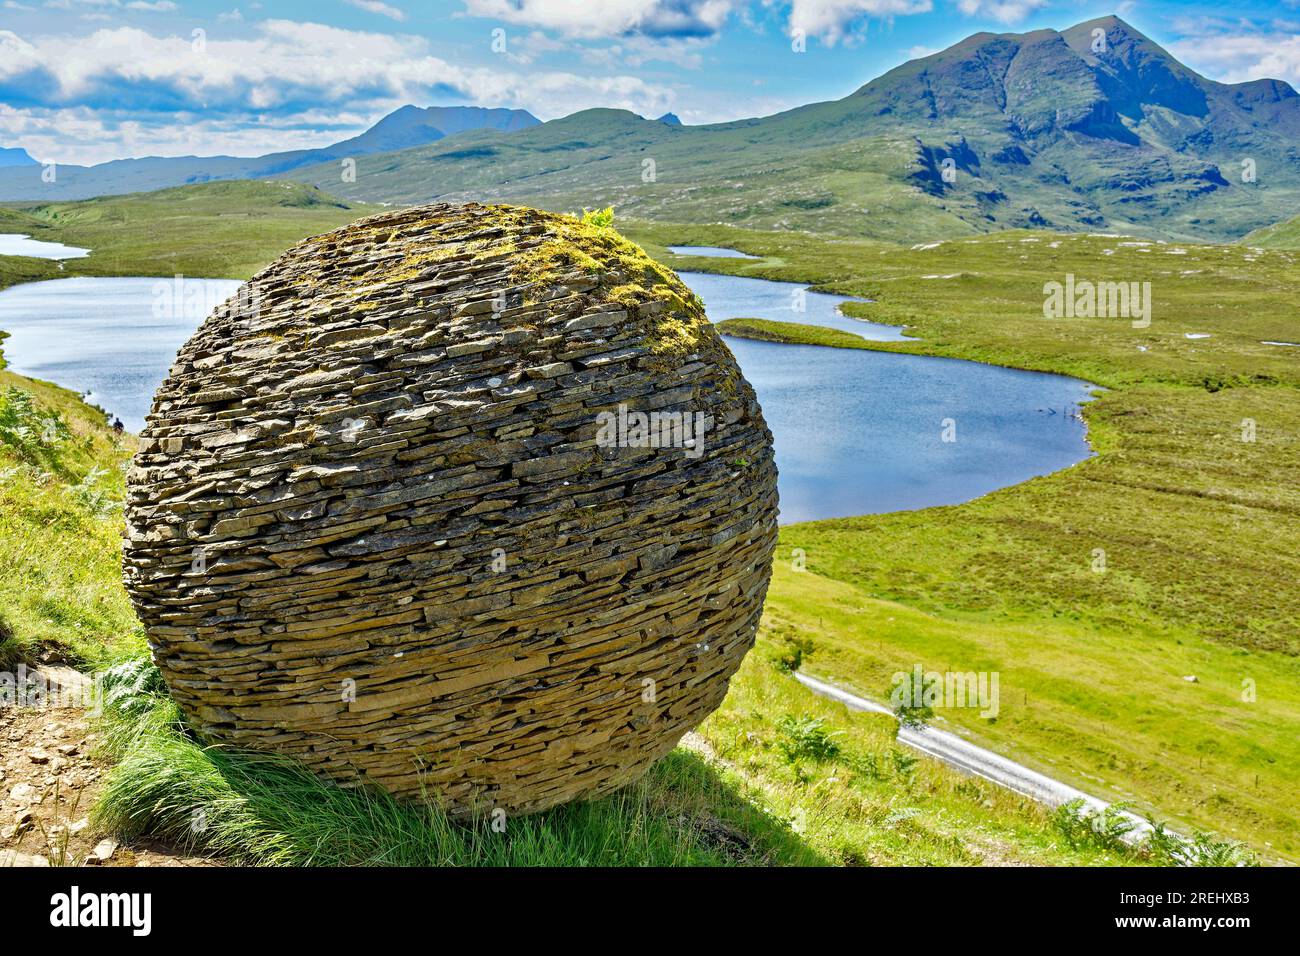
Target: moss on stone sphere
392,516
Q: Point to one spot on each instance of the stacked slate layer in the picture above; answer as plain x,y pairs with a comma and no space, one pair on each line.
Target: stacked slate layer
373,524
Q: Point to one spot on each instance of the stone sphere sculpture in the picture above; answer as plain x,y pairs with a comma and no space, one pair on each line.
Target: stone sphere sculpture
468,502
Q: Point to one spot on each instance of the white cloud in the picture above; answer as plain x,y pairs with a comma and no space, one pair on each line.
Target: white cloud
1241,57
256,94
632,50
150,6
1004,11
685,53
836,20
526,49
610,18
83,136
377,6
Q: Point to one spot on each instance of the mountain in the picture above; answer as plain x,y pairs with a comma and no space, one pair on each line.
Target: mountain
1095,127
413,126
15,157
670,119
1000,130
404,128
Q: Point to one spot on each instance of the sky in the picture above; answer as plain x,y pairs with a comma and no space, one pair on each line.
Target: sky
88,81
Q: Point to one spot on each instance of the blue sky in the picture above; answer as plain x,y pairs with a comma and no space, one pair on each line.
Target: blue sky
91,80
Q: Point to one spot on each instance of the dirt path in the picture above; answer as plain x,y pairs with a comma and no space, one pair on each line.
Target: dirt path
50,779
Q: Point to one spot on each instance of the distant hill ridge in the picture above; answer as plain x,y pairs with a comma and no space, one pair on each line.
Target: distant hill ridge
1279,235
403,128
15,157
1092,127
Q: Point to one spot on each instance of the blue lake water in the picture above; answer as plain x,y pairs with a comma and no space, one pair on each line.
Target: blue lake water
716,252
856,432
861,432
112,338
17,244
737,297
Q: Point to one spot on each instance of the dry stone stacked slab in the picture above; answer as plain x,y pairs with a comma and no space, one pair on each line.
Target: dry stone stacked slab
374,523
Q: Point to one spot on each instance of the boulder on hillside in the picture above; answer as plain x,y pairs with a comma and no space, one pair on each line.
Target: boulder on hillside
467,500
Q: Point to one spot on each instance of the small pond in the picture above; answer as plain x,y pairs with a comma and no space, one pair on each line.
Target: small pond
17,244
113,338
739,297
715,252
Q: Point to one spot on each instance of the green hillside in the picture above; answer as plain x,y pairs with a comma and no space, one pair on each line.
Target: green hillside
998,131
212,230
1282,235
1193,520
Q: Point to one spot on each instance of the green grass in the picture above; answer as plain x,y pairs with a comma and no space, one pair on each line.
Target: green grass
61,487
793,333
256,809
1195,524
750,791
1107,710
861,798
1200,576
1280,235
224,230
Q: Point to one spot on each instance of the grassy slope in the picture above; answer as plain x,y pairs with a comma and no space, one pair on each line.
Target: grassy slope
58,560
1196,524
60,547
749,802
1280,235
747,790
222,230
62,599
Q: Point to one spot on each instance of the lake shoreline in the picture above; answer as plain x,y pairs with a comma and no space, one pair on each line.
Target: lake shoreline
852,436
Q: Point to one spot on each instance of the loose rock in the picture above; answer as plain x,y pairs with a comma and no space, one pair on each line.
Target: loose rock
14,858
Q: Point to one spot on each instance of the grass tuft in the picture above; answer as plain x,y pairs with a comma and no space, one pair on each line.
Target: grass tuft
261,809
1111,830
